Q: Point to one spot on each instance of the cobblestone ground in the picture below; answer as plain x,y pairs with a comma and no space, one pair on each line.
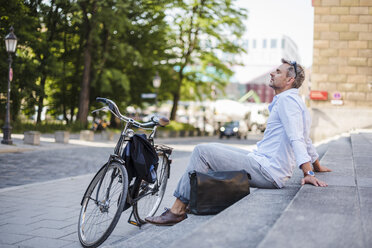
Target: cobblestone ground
36,166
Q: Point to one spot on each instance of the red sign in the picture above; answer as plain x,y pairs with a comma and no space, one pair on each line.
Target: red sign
319,95
10,74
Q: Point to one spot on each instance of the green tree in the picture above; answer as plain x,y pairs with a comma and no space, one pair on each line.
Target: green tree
128,39
204,31
24,20
48,47
70,52
64,89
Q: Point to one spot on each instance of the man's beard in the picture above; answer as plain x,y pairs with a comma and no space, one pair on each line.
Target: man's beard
271,84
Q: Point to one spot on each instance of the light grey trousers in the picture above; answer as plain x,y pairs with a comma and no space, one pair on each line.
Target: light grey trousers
221,157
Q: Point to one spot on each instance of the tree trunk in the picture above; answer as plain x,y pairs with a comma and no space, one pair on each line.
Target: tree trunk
176,96
114,122
85,85
72,112
41,100
74,91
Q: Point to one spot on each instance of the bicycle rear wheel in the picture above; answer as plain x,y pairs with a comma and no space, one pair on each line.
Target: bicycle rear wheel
101,211
151,195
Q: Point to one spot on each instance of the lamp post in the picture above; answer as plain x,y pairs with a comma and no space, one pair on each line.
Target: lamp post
10,44
156,82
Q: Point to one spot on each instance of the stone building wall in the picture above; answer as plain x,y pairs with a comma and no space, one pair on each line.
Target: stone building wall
342,62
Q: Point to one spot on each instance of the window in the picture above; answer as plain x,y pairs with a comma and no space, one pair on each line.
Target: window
254,43
273,43
264,43
283,43
246,45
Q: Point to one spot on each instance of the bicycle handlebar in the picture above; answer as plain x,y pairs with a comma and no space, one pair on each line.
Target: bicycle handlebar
162,121
101,99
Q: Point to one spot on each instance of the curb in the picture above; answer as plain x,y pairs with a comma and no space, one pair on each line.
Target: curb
2,190
15,150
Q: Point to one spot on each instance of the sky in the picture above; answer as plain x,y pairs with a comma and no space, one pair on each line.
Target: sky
294,18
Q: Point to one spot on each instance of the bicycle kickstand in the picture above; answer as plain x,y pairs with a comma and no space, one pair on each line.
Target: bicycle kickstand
135,222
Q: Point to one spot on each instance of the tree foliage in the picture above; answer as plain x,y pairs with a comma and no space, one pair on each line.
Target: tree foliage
70,52
205,31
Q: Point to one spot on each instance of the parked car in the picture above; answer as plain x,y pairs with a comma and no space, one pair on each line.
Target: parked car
258,118
238,129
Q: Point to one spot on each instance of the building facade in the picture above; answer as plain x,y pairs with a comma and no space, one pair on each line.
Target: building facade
264,53
342,66
261,86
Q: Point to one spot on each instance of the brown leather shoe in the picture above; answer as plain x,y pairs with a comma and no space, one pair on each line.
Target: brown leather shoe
166,219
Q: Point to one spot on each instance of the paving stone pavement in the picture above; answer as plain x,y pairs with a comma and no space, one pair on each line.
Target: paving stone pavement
42,214
35,166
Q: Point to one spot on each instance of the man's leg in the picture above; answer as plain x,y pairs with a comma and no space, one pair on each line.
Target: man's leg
220,157
213,157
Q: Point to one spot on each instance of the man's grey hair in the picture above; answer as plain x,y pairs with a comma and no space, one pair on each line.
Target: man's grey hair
300,77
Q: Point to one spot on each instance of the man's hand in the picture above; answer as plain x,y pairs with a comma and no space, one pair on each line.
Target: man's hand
320,168
313,180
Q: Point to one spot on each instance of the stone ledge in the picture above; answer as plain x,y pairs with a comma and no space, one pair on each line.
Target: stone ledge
87,135
62,137
32,137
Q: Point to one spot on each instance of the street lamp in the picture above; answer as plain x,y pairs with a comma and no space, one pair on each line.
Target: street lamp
10,44
156,82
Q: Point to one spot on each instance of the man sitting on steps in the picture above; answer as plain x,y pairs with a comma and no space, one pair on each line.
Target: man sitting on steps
286,144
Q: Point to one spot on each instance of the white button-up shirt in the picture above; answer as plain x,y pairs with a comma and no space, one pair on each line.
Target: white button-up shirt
286,140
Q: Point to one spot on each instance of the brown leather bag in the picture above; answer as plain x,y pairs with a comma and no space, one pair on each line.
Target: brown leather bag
212,192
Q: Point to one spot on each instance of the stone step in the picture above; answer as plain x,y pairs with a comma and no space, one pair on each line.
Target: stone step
362,155
160,236
339,158
327,217
242,225
245,224
254,214
262,207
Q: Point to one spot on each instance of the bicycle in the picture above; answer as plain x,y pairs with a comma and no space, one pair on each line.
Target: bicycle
110,192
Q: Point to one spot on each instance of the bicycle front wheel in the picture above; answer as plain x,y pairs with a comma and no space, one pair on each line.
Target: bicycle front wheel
102,205
150,195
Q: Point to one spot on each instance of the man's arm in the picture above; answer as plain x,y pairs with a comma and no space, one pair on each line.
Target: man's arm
291,117
308,179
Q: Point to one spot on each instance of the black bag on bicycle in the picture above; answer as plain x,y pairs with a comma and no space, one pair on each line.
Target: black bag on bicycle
143,158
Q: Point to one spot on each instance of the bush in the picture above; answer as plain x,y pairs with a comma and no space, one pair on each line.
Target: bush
178,126
21,127
48,127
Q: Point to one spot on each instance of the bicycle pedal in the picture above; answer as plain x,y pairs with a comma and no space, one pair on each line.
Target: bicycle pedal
134,223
